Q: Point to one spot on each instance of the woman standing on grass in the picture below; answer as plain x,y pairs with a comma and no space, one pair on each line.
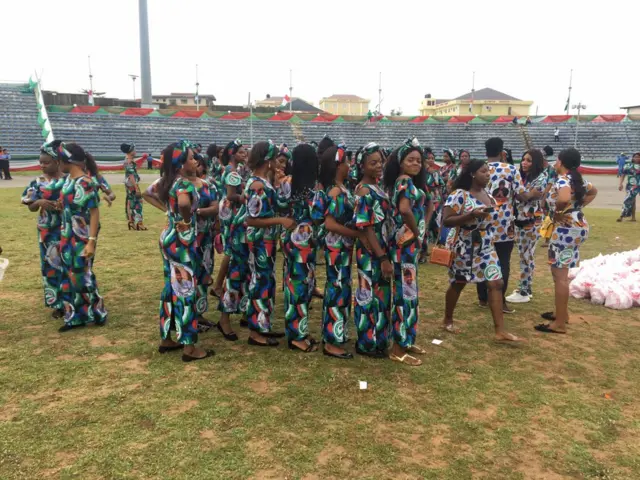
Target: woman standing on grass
467,212
178,244
436,186
449,160
632,171
465,158
300,199
133,203
528,213
42,196
372,216
338,239
262,235
404,178
82,302
569,194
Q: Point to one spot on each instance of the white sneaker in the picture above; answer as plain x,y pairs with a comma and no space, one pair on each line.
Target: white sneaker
517,297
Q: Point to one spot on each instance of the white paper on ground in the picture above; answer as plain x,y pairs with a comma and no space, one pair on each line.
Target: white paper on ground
363,385
436,341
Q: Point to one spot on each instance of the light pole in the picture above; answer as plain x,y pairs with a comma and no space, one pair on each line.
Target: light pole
579,106
134,78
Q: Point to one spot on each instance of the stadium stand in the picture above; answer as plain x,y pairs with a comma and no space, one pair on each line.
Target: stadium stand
19,130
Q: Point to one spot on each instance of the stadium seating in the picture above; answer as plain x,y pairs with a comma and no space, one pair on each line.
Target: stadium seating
19,130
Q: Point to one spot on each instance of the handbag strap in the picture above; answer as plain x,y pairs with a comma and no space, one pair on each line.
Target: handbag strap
464,194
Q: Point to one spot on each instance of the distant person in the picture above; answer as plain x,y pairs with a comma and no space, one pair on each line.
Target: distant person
632,172
515,120
621,161
556,134
4,164
149,161
528,122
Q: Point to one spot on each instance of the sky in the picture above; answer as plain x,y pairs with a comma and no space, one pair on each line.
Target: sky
522,48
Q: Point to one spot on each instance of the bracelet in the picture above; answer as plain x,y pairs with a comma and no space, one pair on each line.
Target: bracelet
382,256
95,239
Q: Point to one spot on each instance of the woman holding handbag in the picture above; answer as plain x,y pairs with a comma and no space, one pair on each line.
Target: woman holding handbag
468,212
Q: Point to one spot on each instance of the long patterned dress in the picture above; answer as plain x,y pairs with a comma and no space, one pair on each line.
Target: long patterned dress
474,257
632,170
49,224
179,256
528,221
373,295
207,195
261,203
564,249
404,252
336,306
133,204
299,250
234,297
82,302
436,186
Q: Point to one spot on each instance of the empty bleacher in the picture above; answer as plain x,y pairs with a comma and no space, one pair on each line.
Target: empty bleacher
19,130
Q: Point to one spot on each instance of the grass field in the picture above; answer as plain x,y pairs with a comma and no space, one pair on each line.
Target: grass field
103,404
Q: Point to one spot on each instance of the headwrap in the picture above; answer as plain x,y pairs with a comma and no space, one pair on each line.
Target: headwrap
233,147
450,152
364,152
180,153
127,148
409,146
284,151
341,154
63,154
272,152
314,145
48,149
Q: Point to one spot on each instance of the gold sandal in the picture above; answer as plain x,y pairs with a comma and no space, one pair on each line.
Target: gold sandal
406,359
417,350
450,328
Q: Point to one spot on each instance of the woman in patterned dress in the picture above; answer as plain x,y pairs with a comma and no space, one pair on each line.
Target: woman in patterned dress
338,236
468,212
233,297
79,198
299,199
465,158
632,171
262,236
436,186
178,245
569,194
404,179
372,216
42,196
449,160
214,166
528,211
133,202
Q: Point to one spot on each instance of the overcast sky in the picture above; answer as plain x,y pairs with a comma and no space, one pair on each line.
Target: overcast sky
523,48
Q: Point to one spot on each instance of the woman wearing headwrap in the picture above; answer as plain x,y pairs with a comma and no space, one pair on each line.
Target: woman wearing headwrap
465,158
449,159
82,302
299,199
42,196
372,216
404,178
133,202
337,239
435,185
214,167
262,234
233,298
178,244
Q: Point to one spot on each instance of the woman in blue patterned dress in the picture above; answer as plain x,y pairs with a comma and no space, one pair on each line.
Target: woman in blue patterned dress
569,194
372,216
467,212
79,197
178,245
338,236
42,196
404,178
299,199
632,171
133,202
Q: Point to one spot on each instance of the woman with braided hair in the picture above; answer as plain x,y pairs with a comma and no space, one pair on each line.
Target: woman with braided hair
133,202
79,199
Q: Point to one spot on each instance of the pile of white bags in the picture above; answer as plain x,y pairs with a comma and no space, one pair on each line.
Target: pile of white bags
609,280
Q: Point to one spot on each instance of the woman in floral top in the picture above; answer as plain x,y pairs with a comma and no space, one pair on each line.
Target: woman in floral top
337,241
42,196
82,302
404,177
262,235
569,194
133,202
372,216
467,212
632,171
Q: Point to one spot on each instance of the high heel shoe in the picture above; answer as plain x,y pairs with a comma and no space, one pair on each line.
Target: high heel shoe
140,226
311,347
163,349
131,226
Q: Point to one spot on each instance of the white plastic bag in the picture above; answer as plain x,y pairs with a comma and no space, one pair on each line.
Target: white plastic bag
4,264
619,297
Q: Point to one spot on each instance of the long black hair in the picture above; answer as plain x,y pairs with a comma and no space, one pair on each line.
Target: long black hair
258,155
212,151
81,158
392,171
304,170
570,159
537,165
92,166
168,173
465,180
328,167
325,143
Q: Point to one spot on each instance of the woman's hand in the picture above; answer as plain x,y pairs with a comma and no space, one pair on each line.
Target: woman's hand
48,205
138,194
107,200
387,269
362,236
480,213
89,249
620,187
288,223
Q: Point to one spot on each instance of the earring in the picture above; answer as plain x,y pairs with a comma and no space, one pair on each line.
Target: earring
473,176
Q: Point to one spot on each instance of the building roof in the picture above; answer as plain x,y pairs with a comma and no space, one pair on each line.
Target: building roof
630,106
182,95
487,94
298,105
346,98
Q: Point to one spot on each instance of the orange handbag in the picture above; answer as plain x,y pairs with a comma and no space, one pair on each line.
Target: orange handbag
441,255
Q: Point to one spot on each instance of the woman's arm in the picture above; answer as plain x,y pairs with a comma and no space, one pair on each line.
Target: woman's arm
335,227
430,209
409,219
451,219
589,196
155,201
184,205
94,223
233,196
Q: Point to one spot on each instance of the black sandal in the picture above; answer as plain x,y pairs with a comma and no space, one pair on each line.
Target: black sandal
273,334
548,316
189,358
163,349
544,328
270,342
374,354
311,347
231,337
66,327
58,313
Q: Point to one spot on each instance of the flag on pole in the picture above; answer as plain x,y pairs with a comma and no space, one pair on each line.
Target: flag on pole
285,100
90,95
197,98
566,107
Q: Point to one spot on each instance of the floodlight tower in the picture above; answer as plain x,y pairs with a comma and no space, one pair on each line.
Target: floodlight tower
145,60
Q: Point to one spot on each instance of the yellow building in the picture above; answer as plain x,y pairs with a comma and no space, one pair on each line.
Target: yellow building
345,105
486,101
186,100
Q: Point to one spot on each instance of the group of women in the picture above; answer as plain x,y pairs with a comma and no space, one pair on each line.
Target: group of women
381,207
